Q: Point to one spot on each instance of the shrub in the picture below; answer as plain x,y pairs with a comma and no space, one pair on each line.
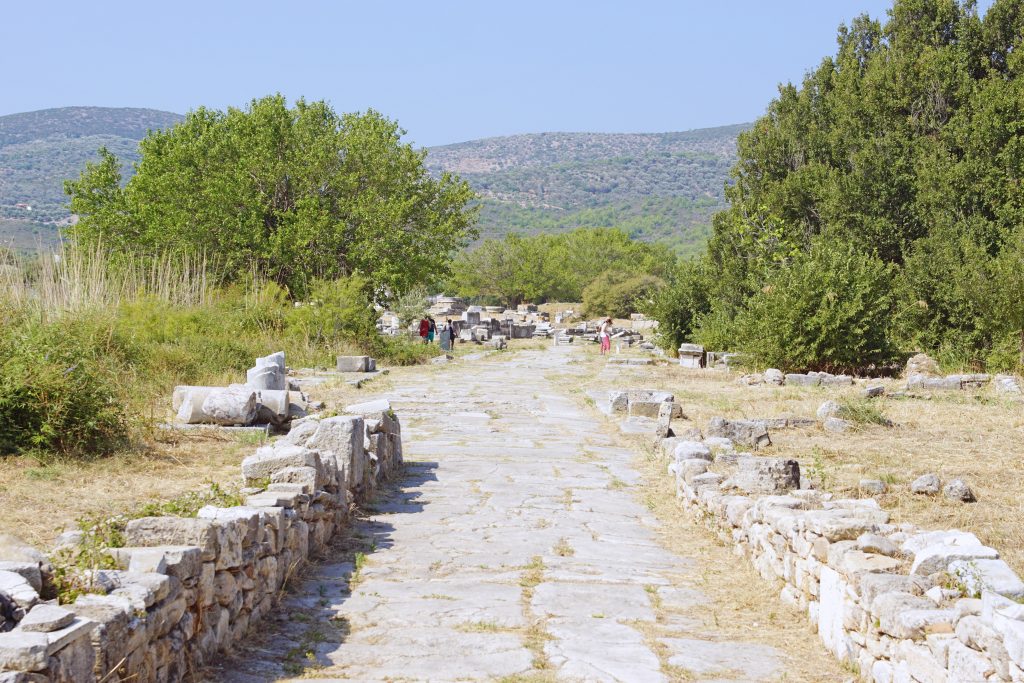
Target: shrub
616,294
677,306
60,388
830,308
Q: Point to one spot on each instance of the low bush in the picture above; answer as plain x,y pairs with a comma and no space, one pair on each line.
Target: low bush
616,294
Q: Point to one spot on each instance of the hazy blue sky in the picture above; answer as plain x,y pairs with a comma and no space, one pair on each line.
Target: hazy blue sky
447,70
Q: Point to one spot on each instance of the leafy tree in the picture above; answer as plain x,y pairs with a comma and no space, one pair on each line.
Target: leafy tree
907,146
294,193
554,267
617,294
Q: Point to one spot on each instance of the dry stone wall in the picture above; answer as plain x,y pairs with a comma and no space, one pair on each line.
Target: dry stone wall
897,603
188,588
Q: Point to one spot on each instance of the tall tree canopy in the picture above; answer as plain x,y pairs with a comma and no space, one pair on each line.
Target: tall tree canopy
293,193
908,145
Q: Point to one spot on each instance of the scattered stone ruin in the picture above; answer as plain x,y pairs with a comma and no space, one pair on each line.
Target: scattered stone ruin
266,398
894,602
187,588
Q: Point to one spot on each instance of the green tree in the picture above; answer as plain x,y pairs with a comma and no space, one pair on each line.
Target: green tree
296,194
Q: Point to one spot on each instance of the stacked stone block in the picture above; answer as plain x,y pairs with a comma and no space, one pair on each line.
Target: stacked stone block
187,588
894,602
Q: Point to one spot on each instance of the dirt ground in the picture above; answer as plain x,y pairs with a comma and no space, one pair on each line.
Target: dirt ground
975,435
40,499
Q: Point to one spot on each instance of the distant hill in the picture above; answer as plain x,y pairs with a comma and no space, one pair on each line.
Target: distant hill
40,149
660,186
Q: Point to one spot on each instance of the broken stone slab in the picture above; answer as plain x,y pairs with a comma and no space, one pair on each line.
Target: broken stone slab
750,433
378,406
260,466
920,541
630,361
841,524
691,449
765,475
158,586
980,575
18,590
340,442
206,534
181,562
29,571
266,378
308,479
938,557
873,543
355,364
926,484
922,364
44,618
23,651
801,380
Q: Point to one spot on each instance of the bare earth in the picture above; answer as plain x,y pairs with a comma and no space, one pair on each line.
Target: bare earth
526,542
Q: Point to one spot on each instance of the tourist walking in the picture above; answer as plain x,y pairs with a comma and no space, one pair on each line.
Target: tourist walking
424,329
604,334
431,330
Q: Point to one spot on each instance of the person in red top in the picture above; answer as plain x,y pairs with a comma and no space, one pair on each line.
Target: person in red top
424,329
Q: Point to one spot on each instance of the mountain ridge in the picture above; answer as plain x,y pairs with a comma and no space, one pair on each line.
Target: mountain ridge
657,186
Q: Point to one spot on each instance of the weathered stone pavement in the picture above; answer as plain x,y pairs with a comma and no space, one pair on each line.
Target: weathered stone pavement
514,549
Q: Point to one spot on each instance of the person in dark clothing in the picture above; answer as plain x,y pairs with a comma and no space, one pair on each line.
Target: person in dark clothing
431,330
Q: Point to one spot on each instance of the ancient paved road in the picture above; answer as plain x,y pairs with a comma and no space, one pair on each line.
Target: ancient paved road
514,549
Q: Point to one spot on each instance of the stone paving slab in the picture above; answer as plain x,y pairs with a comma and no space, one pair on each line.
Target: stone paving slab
513,542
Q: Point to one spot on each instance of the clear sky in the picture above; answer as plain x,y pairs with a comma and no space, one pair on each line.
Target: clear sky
448,70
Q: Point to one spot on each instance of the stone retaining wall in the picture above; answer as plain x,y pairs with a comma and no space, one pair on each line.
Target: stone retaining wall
187,588
895,603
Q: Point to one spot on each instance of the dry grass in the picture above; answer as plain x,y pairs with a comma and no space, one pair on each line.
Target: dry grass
973,435
40,500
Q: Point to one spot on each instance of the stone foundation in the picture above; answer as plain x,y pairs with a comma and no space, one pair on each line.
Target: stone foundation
895,603
185,589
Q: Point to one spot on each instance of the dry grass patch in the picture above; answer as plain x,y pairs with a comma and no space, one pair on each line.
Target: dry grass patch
973,435
40,499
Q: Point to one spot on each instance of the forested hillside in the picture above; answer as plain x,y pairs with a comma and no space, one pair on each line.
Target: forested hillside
41,149
662,187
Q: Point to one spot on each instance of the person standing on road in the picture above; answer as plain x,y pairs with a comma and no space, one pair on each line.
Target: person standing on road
604,334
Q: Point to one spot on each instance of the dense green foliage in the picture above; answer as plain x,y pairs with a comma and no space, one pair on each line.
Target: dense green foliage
88,380
553,267
907,146
294,194
830,308
617,293
657,187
